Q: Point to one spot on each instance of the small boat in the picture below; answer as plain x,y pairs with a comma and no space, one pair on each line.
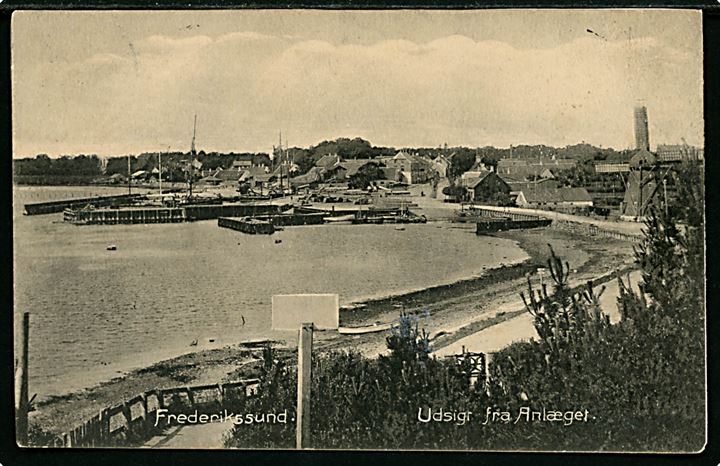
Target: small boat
111,247
377,327
339,219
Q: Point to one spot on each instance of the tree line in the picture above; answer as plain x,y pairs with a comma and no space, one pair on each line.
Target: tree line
175,163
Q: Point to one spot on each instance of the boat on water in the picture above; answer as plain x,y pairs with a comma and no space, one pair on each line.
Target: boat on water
405,219
374,220
339,219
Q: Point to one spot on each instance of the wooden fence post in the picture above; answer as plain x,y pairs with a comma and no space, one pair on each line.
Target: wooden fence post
21,407
488,363
127,417
304,377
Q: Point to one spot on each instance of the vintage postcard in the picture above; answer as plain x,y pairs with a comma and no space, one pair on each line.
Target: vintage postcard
366,230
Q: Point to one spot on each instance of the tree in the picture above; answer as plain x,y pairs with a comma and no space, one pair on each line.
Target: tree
461,162
459,193
365,176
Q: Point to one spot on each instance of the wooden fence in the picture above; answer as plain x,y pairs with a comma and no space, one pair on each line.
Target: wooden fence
568,225
480,212
133,421
594,230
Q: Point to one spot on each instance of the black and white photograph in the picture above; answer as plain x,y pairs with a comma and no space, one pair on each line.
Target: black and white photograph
288,229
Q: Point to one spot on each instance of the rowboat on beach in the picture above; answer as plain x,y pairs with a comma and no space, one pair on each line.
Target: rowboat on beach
364,329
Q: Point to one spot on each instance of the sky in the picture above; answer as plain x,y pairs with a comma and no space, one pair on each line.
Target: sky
112,82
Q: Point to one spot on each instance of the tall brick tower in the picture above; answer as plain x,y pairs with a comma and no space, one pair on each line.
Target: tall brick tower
642,138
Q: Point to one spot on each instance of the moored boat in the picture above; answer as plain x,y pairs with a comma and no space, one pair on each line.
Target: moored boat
339,219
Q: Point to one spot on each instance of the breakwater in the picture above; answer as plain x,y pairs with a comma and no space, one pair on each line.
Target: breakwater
52,207
491,224
151,214
284,219
489,221
249,225
211,212
124,216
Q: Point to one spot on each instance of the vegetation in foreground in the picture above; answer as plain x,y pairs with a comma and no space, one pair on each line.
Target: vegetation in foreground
641,381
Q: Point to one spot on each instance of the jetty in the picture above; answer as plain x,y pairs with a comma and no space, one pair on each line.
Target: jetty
53,207
124,216
249,225
293,219
491,224
154,214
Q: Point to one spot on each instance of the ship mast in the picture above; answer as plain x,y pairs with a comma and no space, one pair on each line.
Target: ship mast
281,163
288,165
191,170
129,178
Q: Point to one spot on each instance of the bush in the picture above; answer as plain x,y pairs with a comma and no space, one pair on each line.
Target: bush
641,380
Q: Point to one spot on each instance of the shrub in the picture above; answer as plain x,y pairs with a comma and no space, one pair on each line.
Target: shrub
641,380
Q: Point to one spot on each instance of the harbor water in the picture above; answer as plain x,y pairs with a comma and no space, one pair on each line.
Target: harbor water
96,313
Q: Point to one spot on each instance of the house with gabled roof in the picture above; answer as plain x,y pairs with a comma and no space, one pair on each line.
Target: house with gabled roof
487,188
539,196
328,161
413,168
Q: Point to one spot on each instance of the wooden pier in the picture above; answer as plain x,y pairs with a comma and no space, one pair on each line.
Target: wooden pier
151,214
52,207
287,219
249,225
490,224
211,212
124,216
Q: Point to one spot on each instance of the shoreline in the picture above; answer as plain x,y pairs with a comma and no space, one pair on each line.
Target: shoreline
460,304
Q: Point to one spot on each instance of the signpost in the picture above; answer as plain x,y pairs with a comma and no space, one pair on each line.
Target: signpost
304,378
22,402
309,312
289,311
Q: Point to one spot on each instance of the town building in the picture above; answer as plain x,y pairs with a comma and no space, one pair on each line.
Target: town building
522,169
253,176
642,157
488,188
328,161
554,198
441,164
242,164
227,176
609,167
669,153
413,169
210,180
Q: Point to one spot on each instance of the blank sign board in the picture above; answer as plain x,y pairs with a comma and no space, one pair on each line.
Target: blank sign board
290,311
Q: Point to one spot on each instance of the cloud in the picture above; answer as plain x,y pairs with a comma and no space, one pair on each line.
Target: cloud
246,86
